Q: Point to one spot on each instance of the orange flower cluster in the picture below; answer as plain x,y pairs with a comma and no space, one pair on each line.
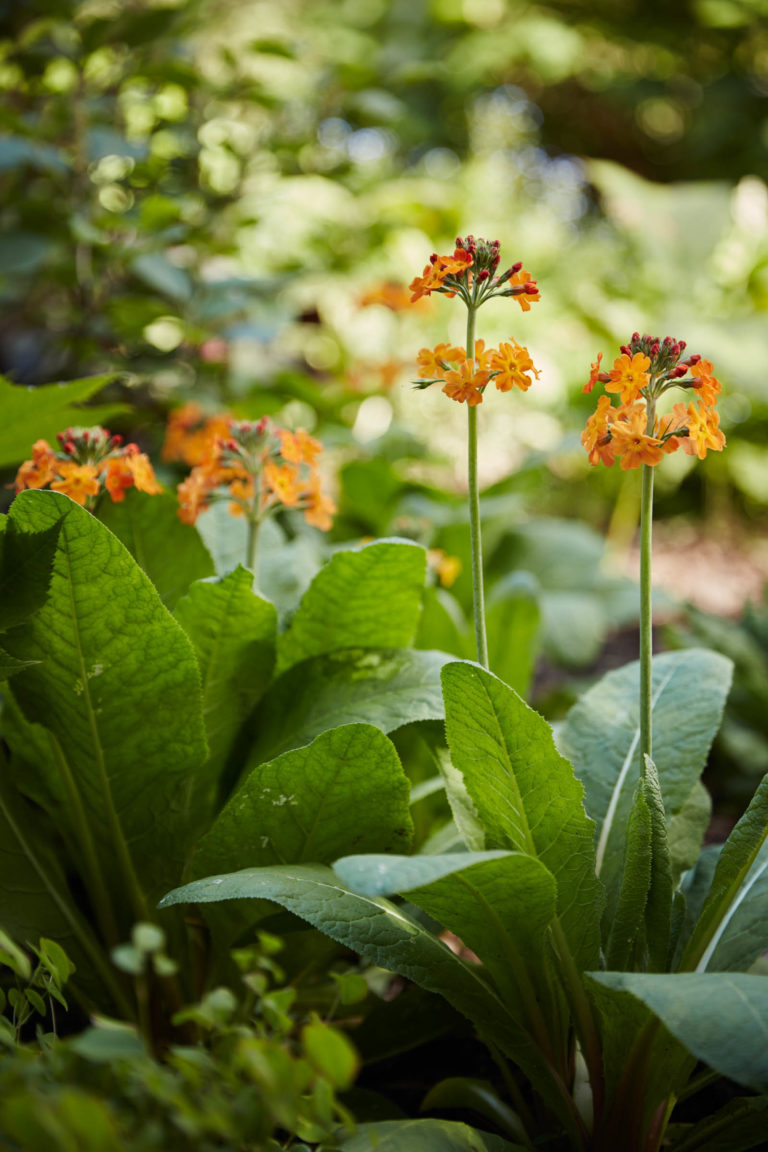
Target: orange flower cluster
89,461
645,370
190,434
258,468
471,273
465,379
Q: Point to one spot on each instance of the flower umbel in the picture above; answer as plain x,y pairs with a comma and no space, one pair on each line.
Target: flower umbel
88,462
632,432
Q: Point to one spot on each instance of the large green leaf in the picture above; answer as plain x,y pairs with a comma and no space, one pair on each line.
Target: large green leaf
424,1136
345,790
722,1017
119,689
387,687
525,794
26,564
498,903
738,1127
732,929
233,633
171,553
601,738
363,598
31,414
384,935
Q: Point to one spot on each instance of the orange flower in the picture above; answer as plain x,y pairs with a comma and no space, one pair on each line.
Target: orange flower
190,435
525,299
388,293
447,568
78,481
513,367
594,374
283,482
707,386
319,508
128,471
630,440
465,384
299,447
431,360
670,424
628,376
38,471
703,431
194,493
436,272
482,355
596,437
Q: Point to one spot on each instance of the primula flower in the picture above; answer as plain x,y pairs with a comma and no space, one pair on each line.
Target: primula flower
646,369
190,434
628,376
528,292
258,468
512,367
466,384
432,361
89,461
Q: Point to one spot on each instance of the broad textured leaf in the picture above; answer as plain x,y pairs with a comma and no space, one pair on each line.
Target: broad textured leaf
525,793
363,598
499,904
424,1136
26,564
601,738
384,935
171,553
31,414
722,1017
9,665
442,624
387,687
345,789
732,929
233,633
686,830
119,688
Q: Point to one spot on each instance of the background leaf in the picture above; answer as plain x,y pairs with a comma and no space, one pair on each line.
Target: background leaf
424,1136
601,737
387,687
171,553
363,598
31,414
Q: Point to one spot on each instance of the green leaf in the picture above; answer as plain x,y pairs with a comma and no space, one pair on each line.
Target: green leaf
31,414
346,789
601,738
658,908
119,689
424,1136
386,687
478,1096
512,622
171,553
499,904
525,793
9,665
386,936
686,830
364,598
157,272
738,1127
627,919
732,929
722,1017
26,563
442,624
330,1053
233,633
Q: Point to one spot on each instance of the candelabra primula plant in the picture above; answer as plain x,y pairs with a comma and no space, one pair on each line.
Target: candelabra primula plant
257,468
471,273
635,433
88,462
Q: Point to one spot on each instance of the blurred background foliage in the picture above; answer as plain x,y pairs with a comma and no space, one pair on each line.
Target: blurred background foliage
205,198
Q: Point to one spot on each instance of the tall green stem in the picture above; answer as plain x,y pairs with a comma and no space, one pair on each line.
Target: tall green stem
646,612
478,595
252,558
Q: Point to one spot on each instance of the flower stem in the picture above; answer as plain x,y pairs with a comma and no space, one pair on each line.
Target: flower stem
478,596
252,549
646,611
